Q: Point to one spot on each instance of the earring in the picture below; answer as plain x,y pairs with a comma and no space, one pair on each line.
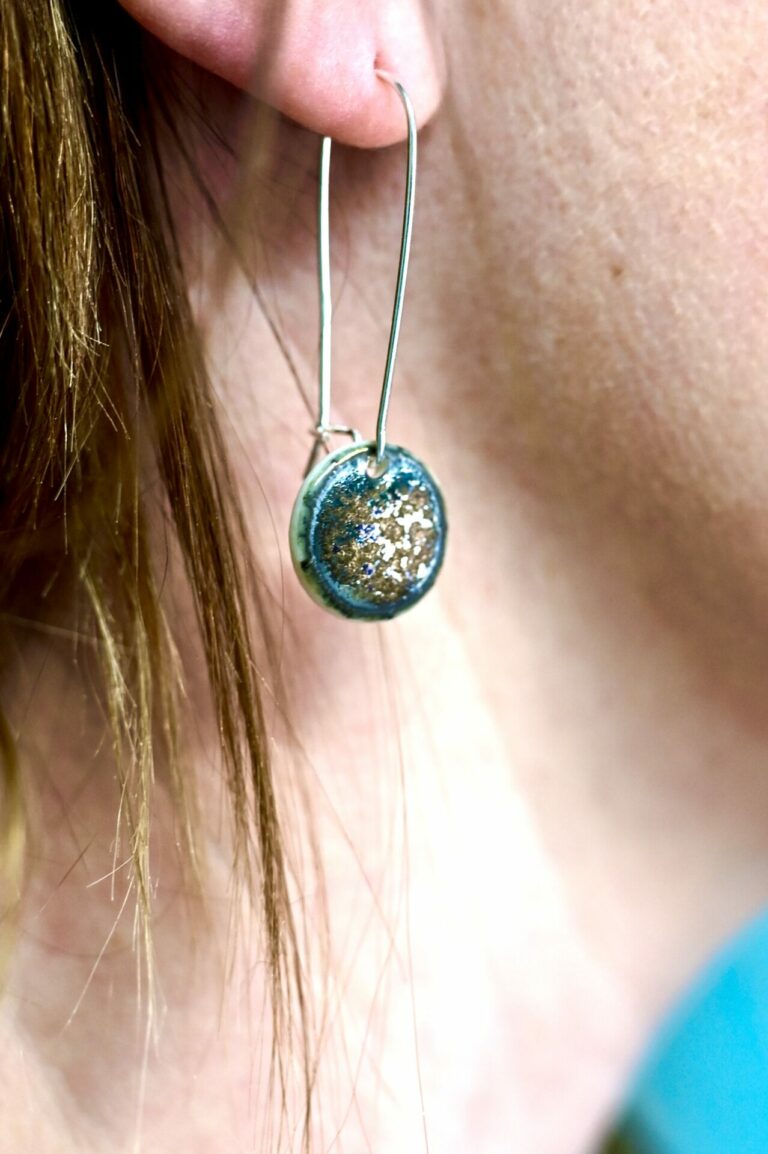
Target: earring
368,527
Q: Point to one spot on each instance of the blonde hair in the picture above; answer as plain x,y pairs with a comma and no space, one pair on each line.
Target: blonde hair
101,371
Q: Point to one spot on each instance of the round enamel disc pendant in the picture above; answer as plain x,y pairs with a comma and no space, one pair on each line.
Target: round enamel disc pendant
367,541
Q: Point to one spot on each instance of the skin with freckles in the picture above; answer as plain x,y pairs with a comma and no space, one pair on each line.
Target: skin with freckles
541,799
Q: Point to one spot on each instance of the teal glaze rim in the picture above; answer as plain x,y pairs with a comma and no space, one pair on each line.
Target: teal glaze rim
301,524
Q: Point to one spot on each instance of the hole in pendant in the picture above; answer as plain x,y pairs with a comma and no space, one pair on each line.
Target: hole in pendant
377,468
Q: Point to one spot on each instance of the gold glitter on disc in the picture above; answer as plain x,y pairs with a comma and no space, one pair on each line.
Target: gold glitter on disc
368,539
379,537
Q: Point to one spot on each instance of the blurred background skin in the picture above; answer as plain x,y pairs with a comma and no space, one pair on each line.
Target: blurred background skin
542,798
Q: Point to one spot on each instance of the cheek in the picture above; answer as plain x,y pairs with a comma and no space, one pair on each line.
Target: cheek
654,265
629,156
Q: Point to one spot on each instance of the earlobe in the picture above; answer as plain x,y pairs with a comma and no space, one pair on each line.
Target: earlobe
314,60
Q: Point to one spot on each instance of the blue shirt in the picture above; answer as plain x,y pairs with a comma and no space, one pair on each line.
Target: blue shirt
703,1087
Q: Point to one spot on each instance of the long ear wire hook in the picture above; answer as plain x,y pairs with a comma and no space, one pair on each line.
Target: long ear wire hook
324,268
324,428
402,271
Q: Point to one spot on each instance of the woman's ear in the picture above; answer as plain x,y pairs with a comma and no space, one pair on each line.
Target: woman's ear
313,60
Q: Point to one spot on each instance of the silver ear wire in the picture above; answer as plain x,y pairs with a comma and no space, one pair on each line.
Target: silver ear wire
324,428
